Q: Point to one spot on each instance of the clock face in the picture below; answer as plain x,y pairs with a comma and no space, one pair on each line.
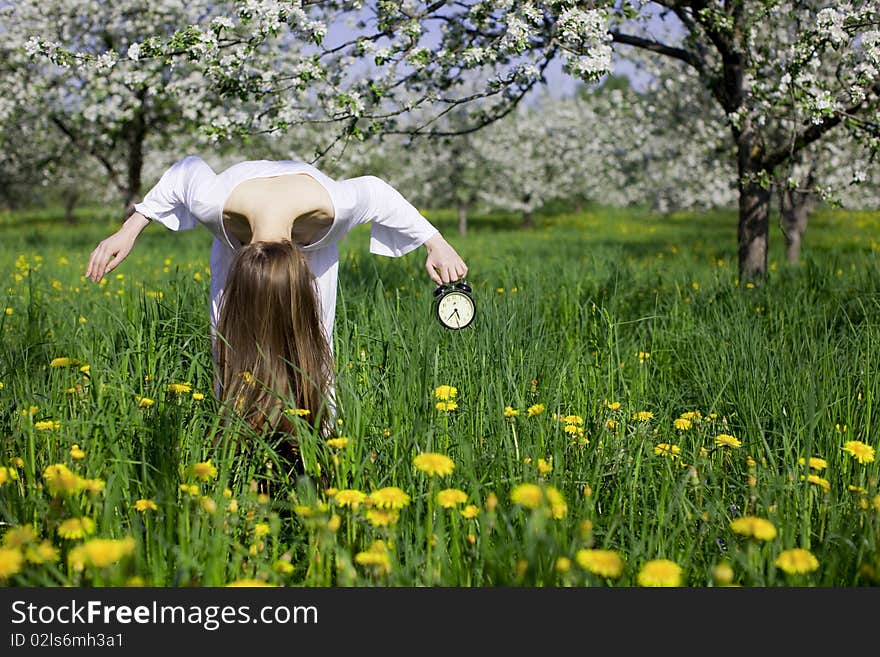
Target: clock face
455,310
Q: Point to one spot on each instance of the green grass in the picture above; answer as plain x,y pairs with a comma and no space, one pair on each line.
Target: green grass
789,368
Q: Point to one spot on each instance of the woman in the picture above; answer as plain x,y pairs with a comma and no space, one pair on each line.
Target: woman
274,264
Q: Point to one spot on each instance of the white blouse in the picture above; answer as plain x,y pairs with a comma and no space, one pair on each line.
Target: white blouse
190,193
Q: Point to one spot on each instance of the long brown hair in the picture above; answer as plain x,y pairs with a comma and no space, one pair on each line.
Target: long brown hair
272,351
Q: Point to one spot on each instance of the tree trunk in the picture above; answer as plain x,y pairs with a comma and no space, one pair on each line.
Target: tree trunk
528,219
70,199
135,135
462,218
754,207
795,208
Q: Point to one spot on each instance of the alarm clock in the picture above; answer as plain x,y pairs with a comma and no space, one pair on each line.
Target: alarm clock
454,305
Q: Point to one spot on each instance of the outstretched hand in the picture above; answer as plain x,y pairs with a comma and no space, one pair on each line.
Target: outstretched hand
114,249
443,263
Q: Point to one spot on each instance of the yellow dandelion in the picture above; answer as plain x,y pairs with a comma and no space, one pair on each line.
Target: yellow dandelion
208,504
797,561
47,425
74,528
299,412
198,396
691,416
76,453
63,361
535,409
612,406
815,463
7,474
249,583
433,464
376,557
261,529
666,449
59,479
179,388
510,411
450,405
824,484
445,393
858,490
18,537
85,369
383,517
338,443
190,489
572,419
101,552
643,416
282,566
682,424
563,565
11,561
754,527
449,498
350,498
204,471
723,574
643,356
545,466
860,451
145,402
527,495
93,485
144,505
875,502
611,424
390,497
660,572
605,563
470,511
42,553
558,507
726,440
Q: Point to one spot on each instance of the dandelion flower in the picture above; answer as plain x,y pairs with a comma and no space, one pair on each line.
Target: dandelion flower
797,561
144,505
449,498
558,507
612,406
19,536
93,485
198,396
510,411
179,388
299,412
145,402
249,583
383,517
59,479
261,529
643,416
527,495
282,566
824,484
660,572
338,443
376,557
470,511
74,528
11,561
690,416
535,409
76,453
723,439
605,563
350,498
63,361
682,424
723,574
860,451
433,464
7,474
190,489
572,419
544,466
42,553
101,552
759,528
47,425
390,497
445,393
665,449
563,565
204,471
815,463
450,405
611,424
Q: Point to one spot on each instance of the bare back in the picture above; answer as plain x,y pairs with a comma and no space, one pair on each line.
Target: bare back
262,207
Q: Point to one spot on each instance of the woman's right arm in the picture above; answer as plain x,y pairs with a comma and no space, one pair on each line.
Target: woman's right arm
114,249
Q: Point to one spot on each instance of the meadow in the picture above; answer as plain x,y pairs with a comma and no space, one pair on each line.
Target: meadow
623,412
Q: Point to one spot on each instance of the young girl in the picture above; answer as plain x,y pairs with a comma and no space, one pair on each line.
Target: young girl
274,264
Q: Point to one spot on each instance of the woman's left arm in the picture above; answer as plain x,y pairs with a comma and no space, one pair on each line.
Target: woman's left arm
397,228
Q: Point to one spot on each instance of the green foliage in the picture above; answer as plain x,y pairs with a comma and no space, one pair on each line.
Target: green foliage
584,310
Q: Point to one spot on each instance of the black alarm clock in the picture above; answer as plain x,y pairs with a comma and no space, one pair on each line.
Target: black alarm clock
454,305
